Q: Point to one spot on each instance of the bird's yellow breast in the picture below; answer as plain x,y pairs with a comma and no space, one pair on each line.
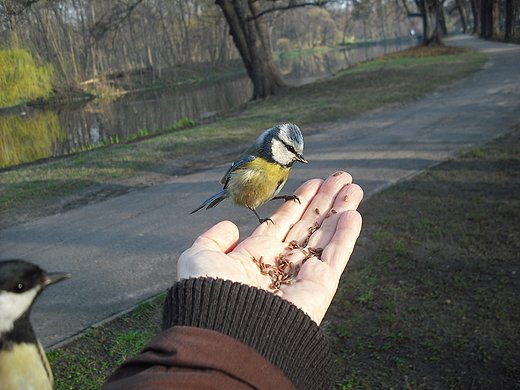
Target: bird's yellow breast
22,367
256,182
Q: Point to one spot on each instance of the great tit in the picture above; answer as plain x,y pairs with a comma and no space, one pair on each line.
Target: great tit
23,363
262,170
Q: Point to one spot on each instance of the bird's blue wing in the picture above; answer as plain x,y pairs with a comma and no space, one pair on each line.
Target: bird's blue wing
237,164
219,197
212,202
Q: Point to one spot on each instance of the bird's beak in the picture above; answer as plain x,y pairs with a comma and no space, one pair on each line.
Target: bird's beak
302,160
55,277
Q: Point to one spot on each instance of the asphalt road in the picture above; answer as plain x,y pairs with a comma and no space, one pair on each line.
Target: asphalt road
124,250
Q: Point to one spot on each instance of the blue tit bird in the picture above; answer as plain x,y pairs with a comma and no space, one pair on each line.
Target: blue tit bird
23,364
262,170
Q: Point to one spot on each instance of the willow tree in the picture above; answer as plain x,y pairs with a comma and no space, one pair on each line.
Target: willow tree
249,33
21,78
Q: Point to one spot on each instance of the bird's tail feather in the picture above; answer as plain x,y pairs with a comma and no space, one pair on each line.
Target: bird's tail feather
212,202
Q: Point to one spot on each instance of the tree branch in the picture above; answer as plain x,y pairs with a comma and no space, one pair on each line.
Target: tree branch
113,19
409,13
291,5
15,7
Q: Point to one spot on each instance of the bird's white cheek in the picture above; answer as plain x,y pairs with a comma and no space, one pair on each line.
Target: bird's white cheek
280,153
12,306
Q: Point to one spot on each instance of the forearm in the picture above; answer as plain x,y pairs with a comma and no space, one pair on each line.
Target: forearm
275,328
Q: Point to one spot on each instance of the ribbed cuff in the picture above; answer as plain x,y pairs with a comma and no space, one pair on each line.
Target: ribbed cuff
274,327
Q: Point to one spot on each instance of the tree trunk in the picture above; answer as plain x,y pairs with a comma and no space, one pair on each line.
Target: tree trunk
485,12
442,19
464,24
496,19
487,17
250,36
475,10
432,22
510,34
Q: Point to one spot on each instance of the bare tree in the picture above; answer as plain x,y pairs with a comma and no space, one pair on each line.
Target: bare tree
431,13
475,10
96,40
249,33
15,7
458,6
112,19
250,36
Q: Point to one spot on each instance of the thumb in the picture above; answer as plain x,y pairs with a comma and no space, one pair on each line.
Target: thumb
222,237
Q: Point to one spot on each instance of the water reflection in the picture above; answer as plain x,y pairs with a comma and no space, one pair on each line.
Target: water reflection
148,111
25,138
46,132
306,69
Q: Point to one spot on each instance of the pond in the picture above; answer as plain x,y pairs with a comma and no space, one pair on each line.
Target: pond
31,133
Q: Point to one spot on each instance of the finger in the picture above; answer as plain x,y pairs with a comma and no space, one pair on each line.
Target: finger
290,212
320,205
337,253
222,237
347,199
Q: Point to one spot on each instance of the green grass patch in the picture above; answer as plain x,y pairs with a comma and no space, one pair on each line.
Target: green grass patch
86,362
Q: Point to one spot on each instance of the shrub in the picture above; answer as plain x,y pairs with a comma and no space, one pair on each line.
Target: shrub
21,79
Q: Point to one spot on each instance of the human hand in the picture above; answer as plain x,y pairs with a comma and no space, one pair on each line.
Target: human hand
317,236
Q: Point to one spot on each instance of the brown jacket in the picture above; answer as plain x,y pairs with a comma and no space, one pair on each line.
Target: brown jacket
224,335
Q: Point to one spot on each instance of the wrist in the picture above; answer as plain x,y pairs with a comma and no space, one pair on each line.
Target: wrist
274,327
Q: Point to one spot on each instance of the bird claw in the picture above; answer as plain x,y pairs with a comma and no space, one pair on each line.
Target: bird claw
288,197
261,220
292,197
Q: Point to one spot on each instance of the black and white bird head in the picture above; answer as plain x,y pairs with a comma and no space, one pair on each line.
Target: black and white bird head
20,284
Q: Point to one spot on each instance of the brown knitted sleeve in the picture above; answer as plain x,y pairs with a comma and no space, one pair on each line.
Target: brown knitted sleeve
272,326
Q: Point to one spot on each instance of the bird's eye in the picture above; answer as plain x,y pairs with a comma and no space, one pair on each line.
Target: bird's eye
19,287
291,149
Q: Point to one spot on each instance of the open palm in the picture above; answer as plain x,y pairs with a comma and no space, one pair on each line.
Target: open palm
300,256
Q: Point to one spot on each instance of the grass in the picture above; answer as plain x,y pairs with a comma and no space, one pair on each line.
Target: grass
429,299
390,79
86,362
432,301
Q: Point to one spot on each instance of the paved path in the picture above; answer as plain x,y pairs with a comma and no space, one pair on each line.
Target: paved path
124,250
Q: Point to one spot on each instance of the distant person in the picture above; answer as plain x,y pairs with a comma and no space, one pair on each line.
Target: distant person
246,316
